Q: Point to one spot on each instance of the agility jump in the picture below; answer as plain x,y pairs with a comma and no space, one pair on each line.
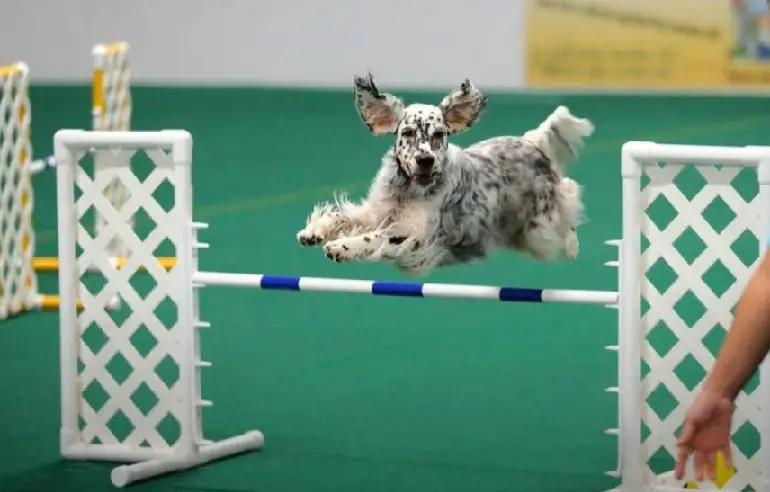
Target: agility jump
111,111
85,432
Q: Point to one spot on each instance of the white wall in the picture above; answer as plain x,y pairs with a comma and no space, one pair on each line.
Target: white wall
417,43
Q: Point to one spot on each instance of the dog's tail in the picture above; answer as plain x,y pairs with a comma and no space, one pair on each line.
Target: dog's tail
560,136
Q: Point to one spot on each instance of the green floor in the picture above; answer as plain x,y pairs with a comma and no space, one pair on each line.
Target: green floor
356,393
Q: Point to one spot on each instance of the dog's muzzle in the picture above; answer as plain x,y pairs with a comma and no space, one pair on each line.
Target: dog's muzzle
425,162
424,172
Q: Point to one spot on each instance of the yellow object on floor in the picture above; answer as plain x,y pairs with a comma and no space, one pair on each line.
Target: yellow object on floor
724,474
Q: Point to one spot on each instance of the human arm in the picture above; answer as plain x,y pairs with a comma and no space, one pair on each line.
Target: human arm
748,339
707,425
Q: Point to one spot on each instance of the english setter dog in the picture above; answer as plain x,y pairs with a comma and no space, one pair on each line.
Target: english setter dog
434,204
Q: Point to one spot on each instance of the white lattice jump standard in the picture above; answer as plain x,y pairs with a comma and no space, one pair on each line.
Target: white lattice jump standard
86,431
738,178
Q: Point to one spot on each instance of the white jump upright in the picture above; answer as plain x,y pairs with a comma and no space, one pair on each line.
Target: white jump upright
86,432
651,173
649,170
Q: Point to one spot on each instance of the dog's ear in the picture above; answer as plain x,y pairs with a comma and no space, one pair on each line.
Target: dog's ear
380,112
463,106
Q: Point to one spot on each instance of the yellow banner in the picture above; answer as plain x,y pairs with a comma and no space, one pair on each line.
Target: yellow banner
679,44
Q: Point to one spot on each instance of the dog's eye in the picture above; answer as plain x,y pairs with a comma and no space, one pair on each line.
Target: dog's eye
408,132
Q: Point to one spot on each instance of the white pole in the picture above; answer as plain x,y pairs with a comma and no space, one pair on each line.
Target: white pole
695,154
404,289
629,337
69,336
763,176
181,154
85,140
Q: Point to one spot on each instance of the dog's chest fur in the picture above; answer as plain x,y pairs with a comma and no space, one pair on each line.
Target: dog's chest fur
485,198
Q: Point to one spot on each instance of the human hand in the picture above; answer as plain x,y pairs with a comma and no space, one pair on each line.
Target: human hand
706,431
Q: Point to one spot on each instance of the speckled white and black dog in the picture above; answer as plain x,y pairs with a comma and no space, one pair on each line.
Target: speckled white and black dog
434,204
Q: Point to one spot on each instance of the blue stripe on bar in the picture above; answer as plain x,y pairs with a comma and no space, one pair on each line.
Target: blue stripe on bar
279,282
397,289
521,295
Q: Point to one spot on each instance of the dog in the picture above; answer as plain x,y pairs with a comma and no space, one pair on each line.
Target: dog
433,204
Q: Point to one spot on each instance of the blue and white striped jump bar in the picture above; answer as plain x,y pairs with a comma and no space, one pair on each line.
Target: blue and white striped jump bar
404,289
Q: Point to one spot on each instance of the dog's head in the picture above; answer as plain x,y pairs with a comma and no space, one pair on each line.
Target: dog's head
421,130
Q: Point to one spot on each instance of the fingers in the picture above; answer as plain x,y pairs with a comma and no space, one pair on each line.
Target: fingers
685,450
699,462
728,456
704,463
711,466
681,461
688,430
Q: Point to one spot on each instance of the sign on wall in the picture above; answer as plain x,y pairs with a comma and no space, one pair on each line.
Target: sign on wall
683,44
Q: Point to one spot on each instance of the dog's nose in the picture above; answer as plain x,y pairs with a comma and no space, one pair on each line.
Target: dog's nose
425,162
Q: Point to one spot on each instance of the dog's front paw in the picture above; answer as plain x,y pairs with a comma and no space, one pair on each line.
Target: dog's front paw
338,251
310,236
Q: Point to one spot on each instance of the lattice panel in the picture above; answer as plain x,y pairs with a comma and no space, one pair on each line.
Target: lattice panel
700,241
128,357
114,115
18,283
117,90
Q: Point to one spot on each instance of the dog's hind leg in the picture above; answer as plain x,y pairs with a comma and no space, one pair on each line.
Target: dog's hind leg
572,212
571,245
554,234
543,240
571,201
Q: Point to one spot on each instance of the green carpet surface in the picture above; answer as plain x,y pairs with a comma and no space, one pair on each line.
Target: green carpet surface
356,393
